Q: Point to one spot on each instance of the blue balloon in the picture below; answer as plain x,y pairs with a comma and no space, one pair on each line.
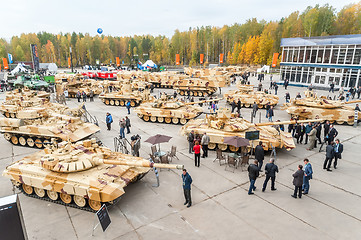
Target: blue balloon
100,31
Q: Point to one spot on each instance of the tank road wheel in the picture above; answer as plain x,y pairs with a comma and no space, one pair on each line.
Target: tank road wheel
140,115
191,93
212,146
52,195
233,148
39,192
181,93
103,100
160,119
107,101
121,103
247,105
30,142
22,141
46,142
79,201
153,119
261,106
7,114
200,94
7,136
66,198
195,94
223,147
95,205
27,189
14,140
183,121
111,102
116,102
175,120
12,115
168,120
146,118
38,143
340,122
132,103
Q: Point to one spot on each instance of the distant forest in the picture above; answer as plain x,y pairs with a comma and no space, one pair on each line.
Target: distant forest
252,42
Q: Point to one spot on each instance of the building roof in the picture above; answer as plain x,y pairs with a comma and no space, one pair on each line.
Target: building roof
321,41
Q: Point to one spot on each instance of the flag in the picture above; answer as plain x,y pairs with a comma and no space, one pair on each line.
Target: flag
221,58
5,63
35,56
274,60
117,60
69,62
201,58
10,57
177,59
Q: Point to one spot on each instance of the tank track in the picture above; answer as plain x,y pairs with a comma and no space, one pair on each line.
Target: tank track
73,205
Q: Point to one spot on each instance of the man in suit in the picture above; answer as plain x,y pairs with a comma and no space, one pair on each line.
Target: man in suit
318,133
259,155
300,131
307,176
271,169
330,153
338,150
326,129
297,182
332,134
253,173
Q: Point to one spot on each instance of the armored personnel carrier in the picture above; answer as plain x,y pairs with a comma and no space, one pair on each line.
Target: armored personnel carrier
169,111
82,175
225,124
31,82
248,96
37,128
312,107
125,94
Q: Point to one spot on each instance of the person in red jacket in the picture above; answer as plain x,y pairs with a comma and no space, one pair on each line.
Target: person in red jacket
197,154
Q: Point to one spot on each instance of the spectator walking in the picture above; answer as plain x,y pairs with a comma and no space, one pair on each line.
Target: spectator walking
204,142
127,124
330,154
297,182
122,127
109,120
91,96
239,106
270,114
84,96
298,96
233,105
326,129
259,155
318,132
312,136
308,129
332,87
191,141
197,154
286,84
254,109
78,96
276,88
332,134
288,97
338,151
187,181
253,173
127,105
271,169
300,131
307,176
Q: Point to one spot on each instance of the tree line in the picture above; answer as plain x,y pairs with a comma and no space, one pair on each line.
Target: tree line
252,42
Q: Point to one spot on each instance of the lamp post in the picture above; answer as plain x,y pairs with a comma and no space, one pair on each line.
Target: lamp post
71,59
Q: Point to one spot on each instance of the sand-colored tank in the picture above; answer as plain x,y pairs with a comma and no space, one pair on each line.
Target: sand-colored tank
225,124
77,82
248,96
312,107
37,127
169,110
82,175
125,94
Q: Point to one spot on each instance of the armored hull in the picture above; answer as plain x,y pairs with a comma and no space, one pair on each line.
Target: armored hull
82,175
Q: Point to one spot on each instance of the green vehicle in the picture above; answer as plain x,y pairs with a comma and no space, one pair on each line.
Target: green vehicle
32,82
49,79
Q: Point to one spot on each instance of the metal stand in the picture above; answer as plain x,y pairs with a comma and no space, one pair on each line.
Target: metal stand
95,225
252,147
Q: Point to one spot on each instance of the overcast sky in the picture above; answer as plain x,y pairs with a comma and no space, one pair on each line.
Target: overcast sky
125,18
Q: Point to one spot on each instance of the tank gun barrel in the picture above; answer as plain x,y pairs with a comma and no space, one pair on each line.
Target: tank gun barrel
353,101
287,122
147,164
203,101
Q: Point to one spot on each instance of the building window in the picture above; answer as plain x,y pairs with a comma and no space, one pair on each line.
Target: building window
308,55
342,55
322,79
334,55
295,55
319,56
317,79
327,56
302,53
332,70
313,55
337,81
349,55
357,57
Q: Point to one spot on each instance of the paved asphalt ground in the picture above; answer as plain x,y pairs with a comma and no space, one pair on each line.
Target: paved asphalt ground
221,207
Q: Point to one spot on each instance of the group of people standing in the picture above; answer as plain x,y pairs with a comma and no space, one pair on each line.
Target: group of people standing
196,144
124,123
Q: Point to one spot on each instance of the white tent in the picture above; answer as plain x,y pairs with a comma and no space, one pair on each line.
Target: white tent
19,68
149,63
52,68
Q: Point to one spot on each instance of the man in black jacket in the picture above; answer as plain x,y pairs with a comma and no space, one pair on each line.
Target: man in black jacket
239,106
191,141
326,129
233,105
332,134
271,170
259,155
330,153
253,173
297,182
318,132
338,150
300,131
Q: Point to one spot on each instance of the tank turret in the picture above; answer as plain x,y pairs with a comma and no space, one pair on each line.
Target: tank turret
82,175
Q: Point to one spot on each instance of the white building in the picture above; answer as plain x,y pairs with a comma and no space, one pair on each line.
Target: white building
322,60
